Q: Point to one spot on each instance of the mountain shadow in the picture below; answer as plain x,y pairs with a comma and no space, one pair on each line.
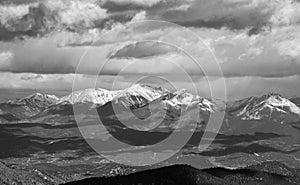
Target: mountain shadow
184,174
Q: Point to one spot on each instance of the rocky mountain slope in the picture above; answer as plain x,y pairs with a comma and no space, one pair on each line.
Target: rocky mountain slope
26,107
270,107
95,96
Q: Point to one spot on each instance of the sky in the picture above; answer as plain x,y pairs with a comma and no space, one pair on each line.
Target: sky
251,45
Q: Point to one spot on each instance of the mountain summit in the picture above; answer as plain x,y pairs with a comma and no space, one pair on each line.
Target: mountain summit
29,106
134,96
138,95
93,96
271,107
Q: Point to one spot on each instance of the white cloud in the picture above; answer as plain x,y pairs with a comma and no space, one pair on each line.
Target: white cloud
10,13
79,13
270,54
49,16
286,13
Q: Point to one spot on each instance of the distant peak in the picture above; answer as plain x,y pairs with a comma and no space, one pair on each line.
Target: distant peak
41,97
271,106
139,87
182,91
273,94
142,85
96,96
35,95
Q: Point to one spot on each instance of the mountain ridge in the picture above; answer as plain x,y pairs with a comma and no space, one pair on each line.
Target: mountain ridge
268,107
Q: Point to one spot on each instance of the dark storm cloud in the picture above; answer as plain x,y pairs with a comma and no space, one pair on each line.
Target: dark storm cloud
143,49
115,7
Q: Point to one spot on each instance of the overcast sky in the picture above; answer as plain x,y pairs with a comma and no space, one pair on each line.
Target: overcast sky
256,43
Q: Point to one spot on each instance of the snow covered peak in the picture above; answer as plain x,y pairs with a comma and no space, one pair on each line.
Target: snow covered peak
36,100
43,97
145,89
139,95
267,107
132,95
280,102
94,96
206,105
184,98
29,106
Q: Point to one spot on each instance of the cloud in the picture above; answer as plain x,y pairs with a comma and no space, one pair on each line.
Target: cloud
144,3
238,87
42,56
234,14
35,81
218,13
17,2
124,5
39,18
256,43
141,46
31,76
143,49
286,13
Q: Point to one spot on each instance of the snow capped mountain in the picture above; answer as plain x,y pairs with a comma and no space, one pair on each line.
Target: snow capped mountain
271,107
40,100
36,100
181,97
184,98
206,105
28,106
94,96
134,96
138,95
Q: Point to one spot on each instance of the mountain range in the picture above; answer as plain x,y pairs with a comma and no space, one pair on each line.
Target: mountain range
270,107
